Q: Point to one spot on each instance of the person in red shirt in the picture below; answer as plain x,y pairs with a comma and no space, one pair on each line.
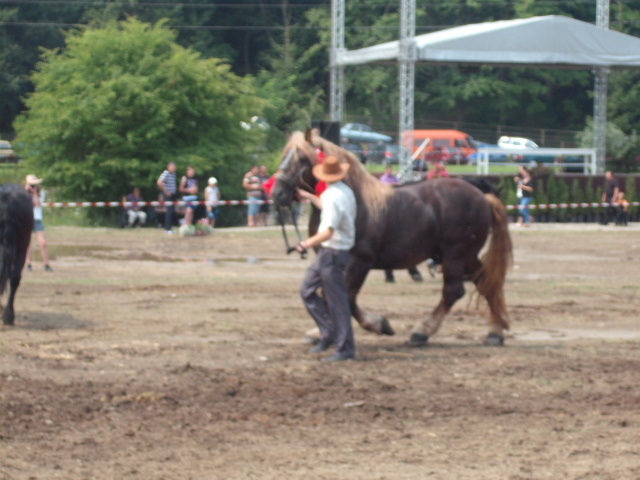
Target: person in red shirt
320,186
438,171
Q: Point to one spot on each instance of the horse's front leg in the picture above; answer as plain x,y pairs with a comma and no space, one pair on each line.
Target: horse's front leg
452,290
356,275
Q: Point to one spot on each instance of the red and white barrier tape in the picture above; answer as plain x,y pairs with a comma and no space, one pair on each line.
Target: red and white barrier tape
152,204
260,202
568,205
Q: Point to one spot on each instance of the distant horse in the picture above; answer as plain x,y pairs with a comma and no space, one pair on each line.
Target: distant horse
16,224
446,219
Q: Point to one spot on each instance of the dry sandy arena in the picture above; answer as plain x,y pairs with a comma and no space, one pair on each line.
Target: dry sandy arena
149,356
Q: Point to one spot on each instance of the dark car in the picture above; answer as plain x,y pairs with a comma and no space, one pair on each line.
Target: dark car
383,153
443,154
357,150
493,157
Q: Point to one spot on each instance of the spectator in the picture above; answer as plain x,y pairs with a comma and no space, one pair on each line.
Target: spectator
389,177
134,211
438,171
160,211
623,209
169,187
335,237
251,183
212,199
525,186
38,197
189,189
609,195
263,214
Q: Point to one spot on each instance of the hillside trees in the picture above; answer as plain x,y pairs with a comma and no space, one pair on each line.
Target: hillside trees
118,103
285,44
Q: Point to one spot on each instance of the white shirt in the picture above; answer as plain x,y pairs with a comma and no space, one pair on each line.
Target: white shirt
339,214
37,209
212,194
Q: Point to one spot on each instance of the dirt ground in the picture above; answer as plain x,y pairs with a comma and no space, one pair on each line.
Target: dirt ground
150,356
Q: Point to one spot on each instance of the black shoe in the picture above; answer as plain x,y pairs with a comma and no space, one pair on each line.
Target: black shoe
47,268
29,267
339,357
417,277
323,345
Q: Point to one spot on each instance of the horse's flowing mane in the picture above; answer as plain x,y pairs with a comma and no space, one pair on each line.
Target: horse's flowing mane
297,141
372,191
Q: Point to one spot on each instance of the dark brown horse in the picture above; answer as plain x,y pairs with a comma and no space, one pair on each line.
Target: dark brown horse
16,223
446,219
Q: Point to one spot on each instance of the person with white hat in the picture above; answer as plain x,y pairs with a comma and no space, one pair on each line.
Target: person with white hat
212,200
32,185
336,236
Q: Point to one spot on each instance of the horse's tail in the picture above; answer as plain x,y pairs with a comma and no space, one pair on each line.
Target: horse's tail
496,262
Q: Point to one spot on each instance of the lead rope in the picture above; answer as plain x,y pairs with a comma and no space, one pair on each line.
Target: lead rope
290,249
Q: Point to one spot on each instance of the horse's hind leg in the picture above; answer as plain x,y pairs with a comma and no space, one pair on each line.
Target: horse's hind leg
356,274
452,290
498,318
8,315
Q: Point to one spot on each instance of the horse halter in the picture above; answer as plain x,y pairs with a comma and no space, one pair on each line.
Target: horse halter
291,180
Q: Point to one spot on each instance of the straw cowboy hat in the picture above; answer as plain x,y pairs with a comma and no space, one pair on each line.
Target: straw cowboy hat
33,180
331,170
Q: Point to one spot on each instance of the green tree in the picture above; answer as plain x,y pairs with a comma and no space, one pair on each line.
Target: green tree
630,190
622,148
540,197
577,195
590,192
118,103
562,196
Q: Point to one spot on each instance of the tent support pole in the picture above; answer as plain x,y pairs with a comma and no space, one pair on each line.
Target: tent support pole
336,83
407,66
600,95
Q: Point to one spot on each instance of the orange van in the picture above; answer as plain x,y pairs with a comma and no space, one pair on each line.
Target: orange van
449,146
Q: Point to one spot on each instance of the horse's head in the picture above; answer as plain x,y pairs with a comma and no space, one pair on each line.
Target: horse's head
295,170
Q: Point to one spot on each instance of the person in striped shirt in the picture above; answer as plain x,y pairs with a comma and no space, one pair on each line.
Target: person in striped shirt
169,187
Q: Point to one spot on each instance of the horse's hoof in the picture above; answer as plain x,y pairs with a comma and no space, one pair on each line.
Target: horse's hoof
417,277
494,340
418,340
385,327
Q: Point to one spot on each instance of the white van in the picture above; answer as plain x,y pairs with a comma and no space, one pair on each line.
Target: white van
516,142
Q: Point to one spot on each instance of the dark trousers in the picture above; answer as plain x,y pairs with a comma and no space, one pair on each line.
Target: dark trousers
333,316
622,217
168,218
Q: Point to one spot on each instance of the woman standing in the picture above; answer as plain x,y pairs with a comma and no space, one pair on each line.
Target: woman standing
189,188
32,185
525,188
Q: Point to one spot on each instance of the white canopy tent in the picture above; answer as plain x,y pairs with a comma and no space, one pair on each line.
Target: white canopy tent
549,41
